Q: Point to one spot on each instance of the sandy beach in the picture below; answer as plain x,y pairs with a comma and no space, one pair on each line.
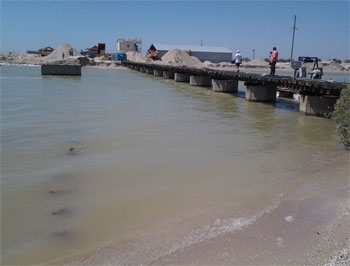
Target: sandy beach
306,228
312,230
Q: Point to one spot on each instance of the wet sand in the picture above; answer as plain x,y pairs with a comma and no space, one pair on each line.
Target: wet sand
309,232
311,226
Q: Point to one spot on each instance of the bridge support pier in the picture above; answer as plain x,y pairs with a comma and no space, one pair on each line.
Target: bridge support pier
229,86
260,93
149,70
158,72
202,81
168,74
182,77
317,105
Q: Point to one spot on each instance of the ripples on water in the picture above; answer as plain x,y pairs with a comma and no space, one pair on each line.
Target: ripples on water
125,158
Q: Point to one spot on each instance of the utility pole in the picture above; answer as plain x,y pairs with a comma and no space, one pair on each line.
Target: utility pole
294,28
253,53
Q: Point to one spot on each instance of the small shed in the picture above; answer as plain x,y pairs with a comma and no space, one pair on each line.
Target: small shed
204,53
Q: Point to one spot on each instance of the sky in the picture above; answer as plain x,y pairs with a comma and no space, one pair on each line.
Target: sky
322,27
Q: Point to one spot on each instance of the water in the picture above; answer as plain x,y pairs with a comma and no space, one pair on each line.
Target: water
142,164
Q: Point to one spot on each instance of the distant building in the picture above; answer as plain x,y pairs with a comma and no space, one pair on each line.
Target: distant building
101,49
203,53
129,45
45,51
32,52
92,51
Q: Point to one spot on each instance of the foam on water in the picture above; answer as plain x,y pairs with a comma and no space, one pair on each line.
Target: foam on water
148,249
218,228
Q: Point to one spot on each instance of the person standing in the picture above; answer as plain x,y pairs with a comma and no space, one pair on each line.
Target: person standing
316,73
237,59
273,61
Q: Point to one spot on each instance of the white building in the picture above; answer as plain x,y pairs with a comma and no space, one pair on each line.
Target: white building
204,53
129,45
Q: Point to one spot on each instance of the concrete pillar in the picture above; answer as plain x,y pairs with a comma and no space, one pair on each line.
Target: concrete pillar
142,69
202,81
260,93
182,77
222,85
168,74
137,68
158,72
149,70
317,105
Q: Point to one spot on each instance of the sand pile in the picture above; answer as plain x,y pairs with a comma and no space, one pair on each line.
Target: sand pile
259,62
333,66
345,66
180,58
61,50
210,64
61,55
136,57
172,57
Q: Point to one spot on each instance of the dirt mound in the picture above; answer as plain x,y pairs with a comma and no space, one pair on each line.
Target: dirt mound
62,55
136,57
182,58
259,62
62,52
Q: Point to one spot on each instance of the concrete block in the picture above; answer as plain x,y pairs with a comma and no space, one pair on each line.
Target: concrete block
229,86
63,70
168,75
202,81
182,77
317,105
261,93
158,73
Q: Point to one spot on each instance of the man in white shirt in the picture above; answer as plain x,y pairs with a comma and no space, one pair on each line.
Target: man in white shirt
237,59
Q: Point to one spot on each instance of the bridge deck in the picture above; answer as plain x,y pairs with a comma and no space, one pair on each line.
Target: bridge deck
302,86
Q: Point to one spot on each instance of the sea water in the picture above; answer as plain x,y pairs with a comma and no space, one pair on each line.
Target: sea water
143,165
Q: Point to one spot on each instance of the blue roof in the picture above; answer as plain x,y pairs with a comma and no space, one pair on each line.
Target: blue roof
193,48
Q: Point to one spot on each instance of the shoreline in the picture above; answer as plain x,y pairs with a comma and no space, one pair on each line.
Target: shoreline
304,229
313,231
171,58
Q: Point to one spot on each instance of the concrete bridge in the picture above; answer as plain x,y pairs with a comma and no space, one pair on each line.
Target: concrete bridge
317,96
